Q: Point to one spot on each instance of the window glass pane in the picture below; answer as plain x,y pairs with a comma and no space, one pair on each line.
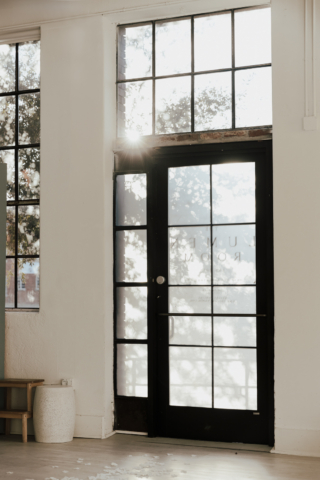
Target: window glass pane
7,68
7,156
28,230
190,331
173,105
234,254
131,256
189,195
212,42
234,300
131,199
9,283
189,256
29,118
212,101
28,283
253,97
29,65
190,376
132,312
233,193
29,173
10,230
252,37
190,300
173,47
132,370
235,378
235,331
135,52
7,121
135,109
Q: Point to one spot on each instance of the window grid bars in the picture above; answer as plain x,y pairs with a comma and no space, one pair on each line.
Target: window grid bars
192,73
16,147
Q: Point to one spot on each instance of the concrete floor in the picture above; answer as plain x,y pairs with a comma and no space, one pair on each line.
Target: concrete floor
128,457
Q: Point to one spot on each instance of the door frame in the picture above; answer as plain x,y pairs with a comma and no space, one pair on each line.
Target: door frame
139,161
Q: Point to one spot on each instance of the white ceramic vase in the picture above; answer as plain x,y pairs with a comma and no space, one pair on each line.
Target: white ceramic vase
54,414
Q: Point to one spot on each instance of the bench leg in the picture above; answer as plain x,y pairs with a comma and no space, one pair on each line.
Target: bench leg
8,407
24,429
8,426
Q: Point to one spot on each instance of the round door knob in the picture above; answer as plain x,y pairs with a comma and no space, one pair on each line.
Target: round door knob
160,280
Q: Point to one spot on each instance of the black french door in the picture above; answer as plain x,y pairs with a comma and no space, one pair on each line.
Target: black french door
212,263
202,365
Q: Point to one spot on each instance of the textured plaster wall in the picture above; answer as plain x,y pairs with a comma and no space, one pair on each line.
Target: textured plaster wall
72,334
22,12
296,238
71,337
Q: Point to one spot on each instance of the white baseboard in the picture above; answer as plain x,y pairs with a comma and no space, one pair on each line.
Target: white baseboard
290,441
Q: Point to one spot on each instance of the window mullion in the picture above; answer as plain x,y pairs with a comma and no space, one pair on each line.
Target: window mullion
153,79
16,176
233,74
192,76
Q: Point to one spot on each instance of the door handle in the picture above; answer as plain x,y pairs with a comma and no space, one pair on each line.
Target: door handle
160,280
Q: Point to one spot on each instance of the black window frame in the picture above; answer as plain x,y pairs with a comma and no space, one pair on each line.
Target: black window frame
192,73
17,202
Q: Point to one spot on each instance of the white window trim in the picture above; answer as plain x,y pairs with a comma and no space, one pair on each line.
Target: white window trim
18,36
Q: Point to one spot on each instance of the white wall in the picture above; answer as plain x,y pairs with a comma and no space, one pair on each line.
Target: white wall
72,334
296,239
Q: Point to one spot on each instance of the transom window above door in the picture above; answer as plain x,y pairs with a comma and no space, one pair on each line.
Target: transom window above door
195,74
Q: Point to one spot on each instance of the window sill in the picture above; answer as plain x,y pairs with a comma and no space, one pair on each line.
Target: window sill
25,310
217,136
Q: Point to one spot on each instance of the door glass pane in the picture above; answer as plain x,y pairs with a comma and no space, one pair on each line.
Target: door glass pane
212,42
189,256
190,331
11,231
132,370
173,47
252,37
29,173
234,254
234,331
7,68
190,376
135,52
189,195
253,97
28,283
7,121
233,193
28,230
235,378
29,118
190,299
29,65
234,300
10,283
131,256
7,156
173,105
212,101
135,109
131,199
132,312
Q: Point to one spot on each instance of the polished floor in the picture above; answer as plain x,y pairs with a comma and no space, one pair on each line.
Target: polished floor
128,457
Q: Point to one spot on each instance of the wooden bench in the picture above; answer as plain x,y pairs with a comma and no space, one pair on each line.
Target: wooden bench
8,413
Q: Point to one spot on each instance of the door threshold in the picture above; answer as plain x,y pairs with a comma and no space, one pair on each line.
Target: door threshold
207,444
